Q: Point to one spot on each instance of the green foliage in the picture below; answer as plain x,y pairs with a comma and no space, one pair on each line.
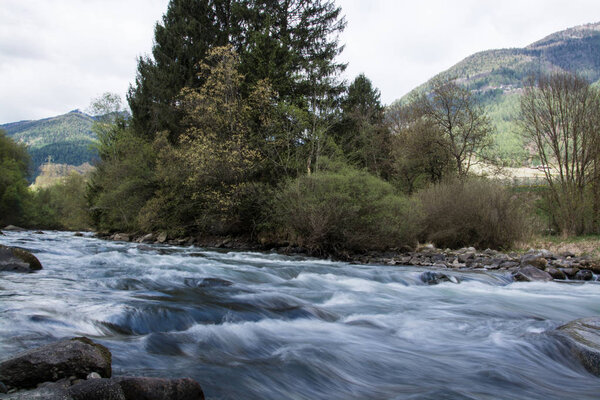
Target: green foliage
291,43
201,177
62,205
14,195
344,210
122,182
472,212
361,133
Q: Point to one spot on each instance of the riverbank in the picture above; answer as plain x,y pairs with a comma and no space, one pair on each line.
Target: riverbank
531,265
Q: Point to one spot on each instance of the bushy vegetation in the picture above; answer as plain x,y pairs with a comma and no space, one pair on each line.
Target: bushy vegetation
472,212
62,205
344,210
14,168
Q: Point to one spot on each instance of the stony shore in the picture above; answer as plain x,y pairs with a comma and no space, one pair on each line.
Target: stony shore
533,265
80,369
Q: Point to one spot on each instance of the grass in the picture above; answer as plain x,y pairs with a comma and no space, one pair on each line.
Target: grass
585,245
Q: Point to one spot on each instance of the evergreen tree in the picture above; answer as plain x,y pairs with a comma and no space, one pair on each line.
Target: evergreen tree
292,43
362,134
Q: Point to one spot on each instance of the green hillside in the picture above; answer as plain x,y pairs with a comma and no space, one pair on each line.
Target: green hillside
497,77
65,138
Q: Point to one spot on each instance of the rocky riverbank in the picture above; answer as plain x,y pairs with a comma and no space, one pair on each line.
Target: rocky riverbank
79,369
534,265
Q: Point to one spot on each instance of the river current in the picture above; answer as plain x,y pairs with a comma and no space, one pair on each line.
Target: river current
251,325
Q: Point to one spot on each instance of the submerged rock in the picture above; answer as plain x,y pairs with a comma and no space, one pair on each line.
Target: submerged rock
75,357
433,278
583,338
18,260
529,273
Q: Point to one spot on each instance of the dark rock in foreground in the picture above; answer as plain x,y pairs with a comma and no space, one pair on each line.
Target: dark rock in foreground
79,369
583,338
75,357
18,260
135,388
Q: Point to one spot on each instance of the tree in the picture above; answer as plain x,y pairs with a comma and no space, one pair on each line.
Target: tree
419,149
203,176
14,194
462,122
123,179
362,134
291,43
182,39
560,113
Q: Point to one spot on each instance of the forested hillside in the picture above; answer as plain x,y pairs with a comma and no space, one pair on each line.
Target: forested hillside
497,77
66,139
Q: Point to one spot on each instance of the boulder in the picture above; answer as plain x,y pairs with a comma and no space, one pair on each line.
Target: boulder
12,228
55,391
123,237
136,388
78,234
162,237
18,260
149,238
529,273
535,259
74,357
584,275
582,336
556,273
433,278
570,272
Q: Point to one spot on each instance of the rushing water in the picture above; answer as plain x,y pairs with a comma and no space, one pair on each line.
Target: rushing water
265,326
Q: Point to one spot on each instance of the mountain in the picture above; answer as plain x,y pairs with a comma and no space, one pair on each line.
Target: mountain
66,139
497,76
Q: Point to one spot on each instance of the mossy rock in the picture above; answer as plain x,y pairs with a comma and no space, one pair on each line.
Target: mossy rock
18,260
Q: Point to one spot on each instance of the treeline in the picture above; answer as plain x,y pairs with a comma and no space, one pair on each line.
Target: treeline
61,206
241,125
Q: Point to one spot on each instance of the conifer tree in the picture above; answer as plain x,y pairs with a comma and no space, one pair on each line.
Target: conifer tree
291,43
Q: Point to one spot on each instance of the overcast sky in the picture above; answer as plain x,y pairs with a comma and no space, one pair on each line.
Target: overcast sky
57,55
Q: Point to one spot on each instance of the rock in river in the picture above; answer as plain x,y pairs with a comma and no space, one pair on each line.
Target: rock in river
529,273
583,338
74,357
58,371
18,260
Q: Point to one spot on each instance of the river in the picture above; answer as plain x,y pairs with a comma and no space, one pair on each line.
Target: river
265,326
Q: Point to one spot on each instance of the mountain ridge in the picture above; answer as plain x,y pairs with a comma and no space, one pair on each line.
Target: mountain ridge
497,78
63,139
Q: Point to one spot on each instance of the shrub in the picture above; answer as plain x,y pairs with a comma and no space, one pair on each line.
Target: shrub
345,210
472,212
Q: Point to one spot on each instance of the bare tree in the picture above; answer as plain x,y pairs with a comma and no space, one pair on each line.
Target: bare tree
560,113
419,149
460,119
